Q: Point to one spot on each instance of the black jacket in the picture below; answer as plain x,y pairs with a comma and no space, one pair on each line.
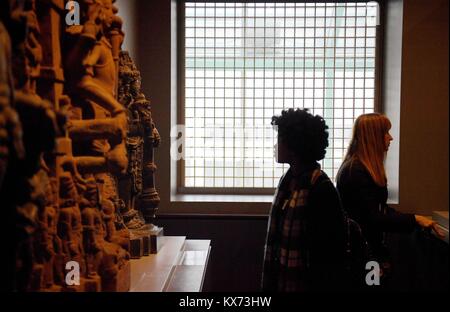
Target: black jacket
327,234
365,202
310,234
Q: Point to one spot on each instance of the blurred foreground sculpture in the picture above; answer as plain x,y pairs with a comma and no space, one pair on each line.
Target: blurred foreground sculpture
76,159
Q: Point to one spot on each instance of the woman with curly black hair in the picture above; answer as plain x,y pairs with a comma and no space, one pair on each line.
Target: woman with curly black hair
305,245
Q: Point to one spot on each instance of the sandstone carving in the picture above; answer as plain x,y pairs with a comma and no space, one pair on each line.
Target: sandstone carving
76,147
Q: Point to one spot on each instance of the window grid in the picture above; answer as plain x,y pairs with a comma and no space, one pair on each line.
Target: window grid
247,61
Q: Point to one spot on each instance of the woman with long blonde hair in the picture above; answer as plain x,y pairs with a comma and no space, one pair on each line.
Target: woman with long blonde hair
362,184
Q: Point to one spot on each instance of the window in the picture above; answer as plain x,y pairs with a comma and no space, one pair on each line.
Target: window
245,62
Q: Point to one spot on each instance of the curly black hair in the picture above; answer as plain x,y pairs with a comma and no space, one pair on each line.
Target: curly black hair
304,134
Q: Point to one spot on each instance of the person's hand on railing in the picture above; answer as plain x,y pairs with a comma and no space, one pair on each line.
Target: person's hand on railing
427,223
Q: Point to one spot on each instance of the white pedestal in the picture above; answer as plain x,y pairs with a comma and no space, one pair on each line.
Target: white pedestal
180,265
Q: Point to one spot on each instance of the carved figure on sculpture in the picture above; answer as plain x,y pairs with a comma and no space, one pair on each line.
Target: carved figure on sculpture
108,198
103,126
140,196
10,126
70,228
93,233
104,258
47,272
22,195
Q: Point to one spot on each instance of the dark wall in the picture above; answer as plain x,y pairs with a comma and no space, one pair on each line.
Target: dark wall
424,107
420,262
237,251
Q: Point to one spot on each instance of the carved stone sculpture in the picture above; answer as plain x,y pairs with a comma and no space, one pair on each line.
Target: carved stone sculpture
138,188
98,127
66,146
103,124
92,236
22,194
47,244
10,127
70,227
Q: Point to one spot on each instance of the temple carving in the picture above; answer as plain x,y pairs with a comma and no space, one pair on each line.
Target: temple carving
77,142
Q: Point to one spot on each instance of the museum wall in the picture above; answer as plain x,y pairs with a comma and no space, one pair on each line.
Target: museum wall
423,129
424,112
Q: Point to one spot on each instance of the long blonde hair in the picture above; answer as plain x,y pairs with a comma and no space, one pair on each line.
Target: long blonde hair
368,145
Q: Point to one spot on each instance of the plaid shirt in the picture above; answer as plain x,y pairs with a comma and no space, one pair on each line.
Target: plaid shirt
286,258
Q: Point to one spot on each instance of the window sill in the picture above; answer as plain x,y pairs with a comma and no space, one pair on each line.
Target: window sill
208,204
223,198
